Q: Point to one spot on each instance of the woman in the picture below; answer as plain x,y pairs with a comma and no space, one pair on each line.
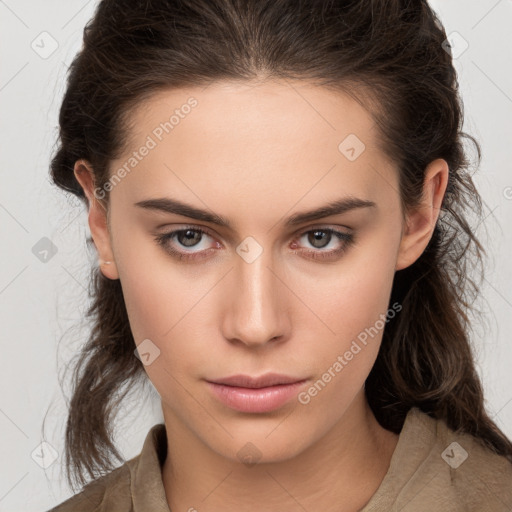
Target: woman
277,191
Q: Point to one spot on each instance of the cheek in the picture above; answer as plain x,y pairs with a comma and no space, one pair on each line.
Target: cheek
356,311
167,306
154,290
358,294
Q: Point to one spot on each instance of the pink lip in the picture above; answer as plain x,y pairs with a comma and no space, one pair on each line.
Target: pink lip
255,394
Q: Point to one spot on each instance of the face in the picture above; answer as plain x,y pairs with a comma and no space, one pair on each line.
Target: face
252,285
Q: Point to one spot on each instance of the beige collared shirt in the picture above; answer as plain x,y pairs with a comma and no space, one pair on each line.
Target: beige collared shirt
432,469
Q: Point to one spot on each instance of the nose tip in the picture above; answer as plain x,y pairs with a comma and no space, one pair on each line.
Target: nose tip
255,338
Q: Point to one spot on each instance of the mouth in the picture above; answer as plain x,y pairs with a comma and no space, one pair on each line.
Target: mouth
256,394
246,381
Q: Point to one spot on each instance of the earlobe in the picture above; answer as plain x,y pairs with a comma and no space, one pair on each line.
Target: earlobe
97,219
421,222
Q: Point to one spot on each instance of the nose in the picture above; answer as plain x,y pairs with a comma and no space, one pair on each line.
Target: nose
256,311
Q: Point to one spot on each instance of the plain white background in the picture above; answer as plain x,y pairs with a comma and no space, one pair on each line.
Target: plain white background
42,304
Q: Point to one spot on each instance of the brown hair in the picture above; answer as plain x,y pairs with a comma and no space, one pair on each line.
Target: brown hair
390,55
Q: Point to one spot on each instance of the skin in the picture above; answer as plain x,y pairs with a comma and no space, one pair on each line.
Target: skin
256,154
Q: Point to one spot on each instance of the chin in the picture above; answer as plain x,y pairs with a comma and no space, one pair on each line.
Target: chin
262,448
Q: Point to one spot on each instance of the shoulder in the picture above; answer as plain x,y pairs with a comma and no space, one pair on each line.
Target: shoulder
112,487
436,468
137,482
479,477
459,472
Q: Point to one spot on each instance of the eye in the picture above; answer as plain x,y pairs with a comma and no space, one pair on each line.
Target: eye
192,237
187,237
320,238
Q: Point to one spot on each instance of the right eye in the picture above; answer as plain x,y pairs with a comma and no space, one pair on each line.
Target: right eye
186,237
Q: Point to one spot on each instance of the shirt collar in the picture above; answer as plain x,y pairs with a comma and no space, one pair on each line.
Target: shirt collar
146,484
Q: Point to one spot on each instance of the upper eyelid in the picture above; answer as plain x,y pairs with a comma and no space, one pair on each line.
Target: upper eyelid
301,231
298,233
318,225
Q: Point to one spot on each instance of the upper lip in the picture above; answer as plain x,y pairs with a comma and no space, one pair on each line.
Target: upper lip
246,381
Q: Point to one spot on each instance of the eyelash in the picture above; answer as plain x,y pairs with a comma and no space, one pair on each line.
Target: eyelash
318,254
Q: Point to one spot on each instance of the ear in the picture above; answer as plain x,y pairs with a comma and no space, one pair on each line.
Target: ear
98,221
420,222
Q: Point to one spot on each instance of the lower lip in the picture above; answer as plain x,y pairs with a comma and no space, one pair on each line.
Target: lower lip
255,399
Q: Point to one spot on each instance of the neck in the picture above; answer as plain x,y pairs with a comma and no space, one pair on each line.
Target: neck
339,473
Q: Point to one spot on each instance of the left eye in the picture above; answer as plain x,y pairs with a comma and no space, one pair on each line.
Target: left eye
190,237
321,238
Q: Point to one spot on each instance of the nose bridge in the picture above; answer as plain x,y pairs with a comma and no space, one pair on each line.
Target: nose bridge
256,312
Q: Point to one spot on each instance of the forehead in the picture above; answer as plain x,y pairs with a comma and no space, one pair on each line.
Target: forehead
259,139
295,108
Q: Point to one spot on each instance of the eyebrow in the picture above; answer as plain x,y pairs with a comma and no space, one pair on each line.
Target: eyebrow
168,205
